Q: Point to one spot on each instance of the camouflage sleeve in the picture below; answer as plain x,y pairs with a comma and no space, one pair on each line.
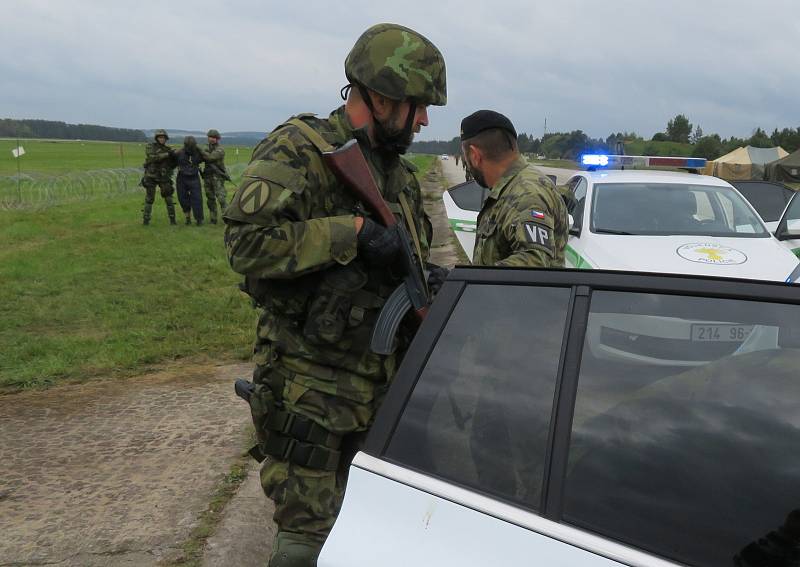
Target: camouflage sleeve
217,155
532,225
270,232
158,155
424,225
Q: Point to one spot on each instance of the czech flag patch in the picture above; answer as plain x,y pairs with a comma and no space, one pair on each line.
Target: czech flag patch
539,215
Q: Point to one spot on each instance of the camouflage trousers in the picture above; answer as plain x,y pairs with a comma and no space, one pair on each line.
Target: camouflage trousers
308,500
215,192
167,190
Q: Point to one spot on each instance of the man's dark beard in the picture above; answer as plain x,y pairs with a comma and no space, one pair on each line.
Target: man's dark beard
391,139
477,175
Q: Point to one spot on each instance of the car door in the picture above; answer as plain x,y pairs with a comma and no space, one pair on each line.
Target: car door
788,231
462,204
505,440
768,198
575,254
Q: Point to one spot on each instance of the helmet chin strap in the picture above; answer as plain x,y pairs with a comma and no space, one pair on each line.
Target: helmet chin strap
386,140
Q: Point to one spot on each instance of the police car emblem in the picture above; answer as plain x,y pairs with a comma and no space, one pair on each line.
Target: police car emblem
254,196
711,254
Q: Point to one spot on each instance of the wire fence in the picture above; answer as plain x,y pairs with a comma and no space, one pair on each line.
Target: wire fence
41,191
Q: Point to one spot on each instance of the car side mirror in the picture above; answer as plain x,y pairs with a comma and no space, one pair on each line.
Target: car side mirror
788,230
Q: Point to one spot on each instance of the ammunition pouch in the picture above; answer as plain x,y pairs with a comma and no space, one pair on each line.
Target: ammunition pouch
291,437
338,303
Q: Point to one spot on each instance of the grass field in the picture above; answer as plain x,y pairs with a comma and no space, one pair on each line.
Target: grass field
646,148
51,157
560,163
87,290
423,162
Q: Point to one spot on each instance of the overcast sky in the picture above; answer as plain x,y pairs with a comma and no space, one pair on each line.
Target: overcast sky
603,67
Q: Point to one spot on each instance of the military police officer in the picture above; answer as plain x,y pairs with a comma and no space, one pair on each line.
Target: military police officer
159,163
524,220
321,268
214,175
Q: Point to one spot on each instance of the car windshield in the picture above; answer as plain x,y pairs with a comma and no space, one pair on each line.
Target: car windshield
673,208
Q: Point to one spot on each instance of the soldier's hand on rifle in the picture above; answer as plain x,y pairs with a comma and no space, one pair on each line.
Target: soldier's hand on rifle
436,277
377,245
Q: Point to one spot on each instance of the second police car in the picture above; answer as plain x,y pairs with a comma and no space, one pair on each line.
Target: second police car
657,221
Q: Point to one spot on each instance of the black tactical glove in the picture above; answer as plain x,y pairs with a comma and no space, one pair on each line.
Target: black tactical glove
378,246
436,277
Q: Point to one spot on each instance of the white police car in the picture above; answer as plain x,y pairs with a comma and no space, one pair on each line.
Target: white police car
655,221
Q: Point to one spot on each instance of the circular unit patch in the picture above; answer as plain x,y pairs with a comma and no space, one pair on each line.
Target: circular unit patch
254,196
711,254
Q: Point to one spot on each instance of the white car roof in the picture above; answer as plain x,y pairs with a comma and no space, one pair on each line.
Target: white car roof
650,176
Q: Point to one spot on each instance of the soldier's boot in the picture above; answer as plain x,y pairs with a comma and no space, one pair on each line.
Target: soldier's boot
188,218
213,218
199,222
294,550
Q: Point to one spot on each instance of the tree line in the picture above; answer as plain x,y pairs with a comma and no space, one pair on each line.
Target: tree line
680,138
28,128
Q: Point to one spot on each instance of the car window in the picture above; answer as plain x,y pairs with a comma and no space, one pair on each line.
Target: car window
791,220
469,196
686,425
768,199
670,208
479,414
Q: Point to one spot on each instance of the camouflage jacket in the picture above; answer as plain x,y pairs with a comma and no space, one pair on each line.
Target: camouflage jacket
523,221
291,224
214,156
159,160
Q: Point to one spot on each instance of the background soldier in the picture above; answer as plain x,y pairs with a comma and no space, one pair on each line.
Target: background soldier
524,220
214,175
321,268
190,194
159,161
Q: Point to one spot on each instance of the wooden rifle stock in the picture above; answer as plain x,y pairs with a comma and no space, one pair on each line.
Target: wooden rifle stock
350,167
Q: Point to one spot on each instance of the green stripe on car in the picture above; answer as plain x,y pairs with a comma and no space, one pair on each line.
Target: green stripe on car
576,259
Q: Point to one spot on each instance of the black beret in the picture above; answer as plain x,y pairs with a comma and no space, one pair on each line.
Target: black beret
482,120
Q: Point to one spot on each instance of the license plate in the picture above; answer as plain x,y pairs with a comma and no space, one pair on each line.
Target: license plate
720,333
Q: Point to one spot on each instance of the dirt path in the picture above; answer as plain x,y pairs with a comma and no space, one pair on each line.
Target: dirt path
115,472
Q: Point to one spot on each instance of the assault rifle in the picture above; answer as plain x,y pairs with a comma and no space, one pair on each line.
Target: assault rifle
350,168
216,170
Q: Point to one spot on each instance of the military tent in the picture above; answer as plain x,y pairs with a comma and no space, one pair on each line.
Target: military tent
744,163
785,170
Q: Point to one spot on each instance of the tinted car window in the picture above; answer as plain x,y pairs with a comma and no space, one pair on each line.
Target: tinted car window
768,199
687,426
479,414
469,196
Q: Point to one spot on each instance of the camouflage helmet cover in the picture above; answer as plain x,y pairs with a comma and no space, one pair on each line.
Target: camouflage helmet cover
160,132
398,63
213,133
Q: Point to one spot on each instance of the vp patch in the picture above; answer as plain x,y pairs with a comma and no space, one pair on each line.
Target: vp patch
539,234
254,196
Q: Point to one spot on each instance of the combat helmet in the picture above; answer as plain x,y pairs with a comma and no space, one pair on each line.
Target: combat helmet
398,63
160,132
213,133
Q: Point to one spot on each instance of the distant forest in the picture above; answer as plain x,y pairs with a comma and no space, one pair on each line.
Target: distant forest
11,128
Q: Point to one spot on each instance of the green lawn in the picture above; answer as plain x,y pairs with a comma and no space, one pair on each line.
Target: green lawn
46,157
87,290
423,162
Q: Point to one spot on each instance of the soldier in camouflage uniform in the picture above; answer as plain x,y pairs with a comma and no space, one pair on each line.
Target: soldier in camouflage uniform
321,268
214,175
524,220
159,163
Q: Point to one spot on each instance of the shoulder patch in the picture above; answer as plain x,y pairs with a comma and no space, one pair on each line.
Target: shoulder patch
254,196
539,234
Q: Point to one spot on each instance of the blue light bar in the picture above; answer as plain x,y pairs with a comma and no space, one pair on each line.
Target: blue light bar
596,160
